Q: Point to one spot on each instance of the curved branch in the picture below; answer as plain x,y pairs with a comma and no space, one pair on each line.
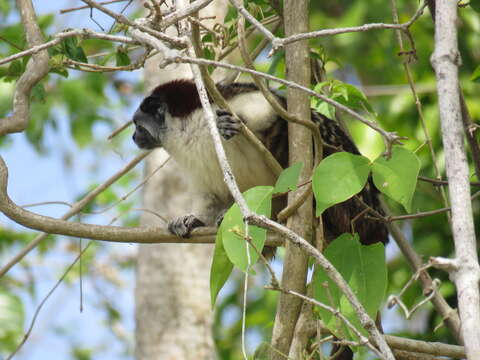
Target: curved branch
36,70
143,235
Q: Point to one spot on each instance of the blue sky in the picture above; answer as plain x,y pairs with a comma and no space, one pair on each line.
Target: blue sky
35,178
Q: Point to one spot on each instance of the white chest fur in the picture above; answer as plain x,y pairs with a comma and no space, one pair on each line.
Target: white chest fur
190,144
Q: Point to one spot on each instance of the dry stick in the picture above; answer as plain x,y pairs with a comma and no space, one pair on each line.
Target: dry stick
445,60
432,348
256,52
37,69
64,11
443,182
297,202
119,130
449,315
103,68
146,178
183,12
252,20
335,312
272,100
175,41
250,31
74,210
418,103
277,42
37,311
222,103
226,170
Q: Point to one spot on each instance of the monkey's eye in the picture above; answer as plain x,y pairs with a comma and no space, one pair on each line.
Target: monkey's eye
151,104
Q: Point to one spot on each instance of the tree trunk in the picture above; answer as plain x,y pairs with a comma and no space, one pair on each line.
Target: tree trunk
300,149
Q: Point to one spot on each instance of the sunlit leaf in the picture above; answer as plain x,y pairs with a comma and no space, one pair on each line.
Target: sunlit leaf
338,177
288,178
259,200
220,269
397,176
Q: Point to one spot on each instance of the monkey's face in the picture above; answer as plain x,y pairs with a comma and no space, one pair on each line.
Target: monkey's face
150,125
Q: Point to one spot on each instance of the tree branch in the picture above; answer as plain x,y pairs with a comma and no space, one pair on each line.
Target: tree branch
122,19
37,68
141,235
445,60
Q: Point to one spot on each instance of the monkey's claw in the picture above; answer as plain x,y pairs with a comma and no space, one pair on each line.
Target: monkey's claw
183,225
227,125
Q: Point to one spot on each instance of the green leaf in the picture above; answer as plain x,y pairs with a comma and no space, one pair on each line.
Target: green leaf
232,14
324,108
38,93
288,178
319,105
73,51
338,177
350,96
259,200
475,5
397,176
476,75
15,69
12,317
122,58
207,38
220,270
364,269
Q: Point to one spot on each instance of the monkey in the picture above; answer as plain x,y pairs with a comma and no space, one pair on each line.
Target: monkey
172,117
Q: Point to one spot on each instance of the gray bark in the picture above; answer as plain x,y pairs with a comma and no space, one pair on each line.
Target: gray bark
300,149
466,271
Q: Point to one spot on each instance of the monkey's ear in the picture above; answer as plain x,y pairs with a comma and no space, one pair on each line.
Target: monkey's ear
150,104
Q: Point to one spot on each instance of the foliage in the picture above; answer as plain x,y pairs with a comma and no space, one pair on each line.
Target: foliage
363,71
364,269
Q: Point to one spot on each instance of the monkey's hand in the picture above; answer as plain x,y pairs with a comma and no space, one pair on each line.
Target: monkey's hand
183,225
227,125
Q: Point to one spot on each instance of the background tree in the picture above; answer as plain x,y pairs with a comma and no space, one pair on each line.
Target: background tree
79,89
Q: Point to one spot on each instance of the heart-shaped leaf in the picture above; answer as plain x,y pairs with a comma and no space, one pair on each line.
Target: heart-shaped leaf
338,177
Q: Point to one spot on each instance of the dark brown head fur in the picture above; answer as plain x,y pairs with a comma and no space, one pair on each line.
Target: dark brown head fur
181,96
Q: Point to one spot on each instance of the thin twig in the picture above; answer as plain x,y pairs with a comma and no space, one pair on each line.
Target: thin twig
277,42
127,195
175,41
119,130
75,209
336,313
64,11
44,300
58,38
418,103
